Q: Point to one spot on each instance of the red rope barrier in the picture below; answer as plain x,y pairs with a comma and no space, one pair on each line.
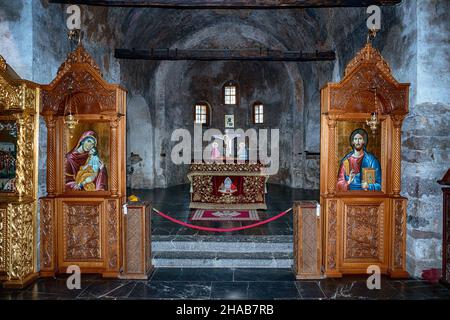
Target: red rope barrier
222,229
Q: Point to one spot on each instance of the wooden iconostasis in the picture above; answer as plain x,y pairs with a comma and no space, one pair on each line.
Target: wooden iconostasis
86,184
364,215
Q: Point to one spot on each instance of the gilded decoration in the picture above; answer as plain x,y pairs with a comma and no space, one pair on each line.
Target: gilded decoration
82,237
363,238
19,105
25,182
47,241
3,222
21,240
226,167
203,191
244,185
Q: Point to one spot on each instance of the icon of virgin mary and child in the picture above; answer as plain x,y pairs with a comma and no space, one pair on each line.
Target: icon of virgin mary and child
84,170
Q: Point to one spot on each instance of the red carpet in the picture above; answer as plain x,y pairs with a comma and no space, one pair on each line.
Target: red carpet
225,215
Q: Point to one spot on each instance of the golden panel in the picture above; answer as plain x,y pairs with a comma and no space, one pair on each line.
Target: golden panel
21,240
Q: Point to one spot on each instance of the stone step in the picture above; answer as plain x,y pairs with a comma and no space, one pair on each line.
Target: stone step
239,247
225,251
209,259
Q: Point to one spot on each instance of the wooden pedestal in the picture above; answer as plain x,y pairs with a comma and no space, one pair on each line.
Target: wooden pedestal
307,240
137,241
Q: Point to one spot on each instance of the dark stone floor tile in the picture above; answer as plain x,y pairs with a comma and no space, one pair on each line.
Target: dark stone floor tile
99,289
355,288
171,290
58,287
431,291
193,274
263,274
229,290
273,290
310,290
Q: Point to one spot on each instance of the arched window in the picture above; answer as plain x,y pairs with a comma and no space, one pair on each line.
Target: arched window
202,113
258,113
230,93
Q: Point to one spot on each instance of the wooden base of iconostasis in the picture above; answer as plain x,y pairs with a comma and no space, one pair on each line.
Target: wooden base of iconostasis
22,283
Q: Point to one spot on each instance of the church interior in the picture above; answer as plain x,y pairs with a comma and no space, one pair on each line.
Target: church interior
238,150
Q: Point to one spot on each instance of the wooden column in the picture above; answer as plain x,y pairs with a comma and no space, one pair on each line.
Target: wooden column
332,169
50,122
396,159
114,156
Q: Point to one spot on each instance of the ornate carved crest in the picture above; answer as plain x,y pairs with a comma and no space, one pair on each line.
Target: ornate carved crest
79,82
80,55
368,86
369,54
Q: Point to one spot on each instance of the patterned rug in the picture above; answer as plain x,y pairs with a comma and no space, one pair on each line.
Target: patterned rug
225,215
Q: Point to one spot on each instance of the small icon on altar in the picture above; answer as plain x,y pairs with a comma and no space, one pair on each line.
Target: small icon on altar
227,187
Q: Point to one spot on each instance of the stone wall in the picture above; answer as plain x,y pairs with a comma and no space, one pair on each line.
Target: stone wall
416,45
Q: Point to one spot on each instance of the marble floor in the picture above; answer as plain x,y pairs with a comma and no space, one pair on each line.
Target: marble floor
174,201
227,284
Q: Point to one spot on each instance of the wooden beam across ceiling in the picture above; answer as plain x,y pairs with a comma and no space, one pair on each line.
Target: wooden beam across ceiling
230,4
261,54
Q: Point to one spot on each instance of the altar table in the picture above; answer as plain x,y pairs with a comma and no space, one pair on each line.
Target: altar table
237,185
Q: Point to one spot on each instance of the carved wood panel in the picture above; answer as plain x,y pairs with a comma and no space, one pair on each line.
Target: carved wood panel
363,237
112,213
331,234
307,240
47,242
82,234
134,256
399,233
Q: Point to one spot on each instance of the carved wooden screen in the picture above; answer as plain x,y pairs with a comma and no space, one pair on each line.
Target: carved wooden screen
360,186
85,169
